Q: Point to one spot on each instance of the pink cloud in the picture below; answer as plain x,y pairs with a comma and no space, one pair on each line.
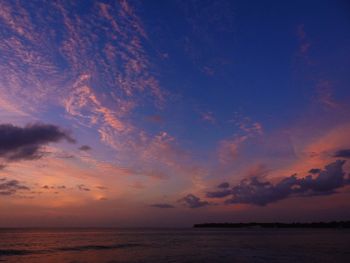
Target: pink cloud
208,117
324,89
303,40
229,148
304,44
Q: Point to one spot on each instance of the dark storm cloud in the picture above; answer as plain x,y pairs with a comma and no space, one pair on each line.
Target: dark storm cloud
85,148
17,143
193,201
344,153
224,185
314,171
223,191
219,194
162,205
10,187
260,192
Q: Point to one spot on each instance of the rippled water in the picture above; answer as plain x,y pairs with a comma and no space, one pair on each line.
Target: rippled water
174,245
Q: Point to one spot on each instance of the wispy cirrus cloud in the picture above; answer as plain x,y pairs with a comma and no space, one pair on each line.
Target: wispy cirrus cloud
95,68
325,96
208,117
323,83
98,85
83,104
202,27
247,129
228,149
304,42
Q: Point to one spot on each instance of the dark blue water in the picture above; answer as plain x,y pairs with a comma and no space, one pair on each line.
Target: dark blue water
174,245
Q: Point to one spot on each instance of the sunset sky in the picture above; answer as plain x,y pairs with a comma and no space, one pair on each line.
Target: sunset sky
169,113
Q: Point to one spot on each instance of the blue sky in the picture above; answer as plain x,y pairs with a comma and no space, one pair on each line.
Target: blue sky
173,98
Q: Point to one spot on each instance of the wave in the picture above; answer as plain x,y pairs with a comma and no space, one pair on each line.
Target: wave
99,247
17,252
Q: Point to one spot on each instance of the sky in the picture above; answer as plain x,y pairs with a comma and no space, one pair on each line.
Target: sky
170,113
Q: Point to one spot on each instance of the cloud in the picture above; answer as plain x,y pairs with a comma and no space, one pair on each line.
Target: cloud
101,187
155,118
304,43
325,94
228,149
208,117
193,201
64,155
247,129
162,205
344,153
315,171
224,185
120,63
219,194
260,192
10,187
85,148
18,143
54,187
158,156
82,187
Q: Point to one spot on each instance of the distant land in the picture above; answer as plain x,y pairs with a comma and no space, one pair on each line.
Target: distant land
334,224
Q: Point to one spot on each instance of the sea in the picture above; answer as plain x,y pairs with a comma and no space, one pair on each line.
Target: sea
175,245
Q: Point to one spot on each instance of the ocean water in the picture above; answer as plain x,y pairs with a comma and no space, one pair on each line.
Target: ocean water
174,245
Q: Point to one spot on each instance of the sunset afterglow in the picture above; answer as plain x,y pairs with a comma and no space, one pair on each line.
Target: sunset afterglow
170,113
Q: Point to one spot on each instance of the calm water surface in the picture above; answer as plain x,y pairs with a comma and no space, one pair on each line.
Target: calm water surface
174,245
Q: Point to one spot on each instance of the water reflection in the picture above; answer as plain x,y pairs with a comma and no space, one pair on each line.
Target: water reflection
173,245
